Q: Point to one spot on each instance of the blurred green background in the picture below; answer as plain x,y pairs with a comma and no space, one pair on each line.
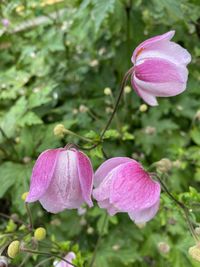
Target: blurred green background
56,59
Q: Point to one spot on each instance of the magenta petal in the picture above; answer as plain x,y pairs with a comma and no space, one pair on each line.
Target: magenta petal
107,166
42,174
144,215
132,188
85,172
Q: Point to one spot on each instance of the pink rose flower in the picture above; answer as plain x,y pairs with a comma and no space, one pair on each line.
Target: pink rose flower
69,257
61,179
122,185
159,68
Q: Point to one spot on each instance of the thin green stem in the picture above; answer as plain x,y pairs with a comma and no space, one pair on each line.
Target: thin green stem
182,206
47,254
77,135
98,240
29,216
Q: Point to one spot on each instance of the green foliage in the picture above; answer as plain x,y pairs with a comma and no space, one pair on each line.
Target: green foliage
56,59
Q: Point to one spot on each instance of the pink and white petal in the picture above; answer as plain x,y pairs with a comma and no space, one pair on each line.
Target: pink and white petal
102,192
166,50
144,215
144,45
64,191
108,166
158,70
42,173
158,89
149,98
69,257
132,188
86,174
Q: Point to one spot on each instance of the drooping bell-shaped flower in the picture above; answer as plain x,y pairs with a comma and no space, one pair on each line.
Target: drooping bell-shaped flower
122,185
159,68
61,179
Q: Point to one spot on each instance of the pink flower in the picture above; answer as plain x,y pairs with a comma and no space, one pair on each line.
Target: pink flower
159,68
61,179
5,22
122,185
69,257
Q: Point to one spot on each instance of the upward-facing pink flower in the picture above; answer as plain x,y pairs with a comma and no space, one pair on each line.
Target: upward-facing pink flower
69,257
159,68
61,179
122,185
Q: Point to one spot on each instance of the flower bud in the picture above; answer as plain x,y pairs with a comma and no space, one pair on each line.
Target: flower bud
127,89
83,109
107,91
150,130
40,234
164,165
59,130
90,230
194,252
13,249
163,247
3,261
143,108
24,195
140,225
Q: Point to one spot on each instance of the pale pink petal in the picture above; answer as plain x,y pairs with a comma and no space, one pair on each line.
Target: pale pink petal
166,50
42,173
105,204
69,257
149,98
64,191
102,192
144,45
132,188
144,215
108,166
85,172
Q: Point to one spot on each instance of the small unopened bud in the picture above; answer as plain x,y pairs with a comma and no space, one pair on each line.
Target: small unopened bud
26,159
107,91
75,111
83,221
83,109
109,110
40,234
164,165
163,247
90,230
24,196
143,108
13,249
127,89
116,247
140,225
59,130
194,252
3,261
94,63
197,115
150,130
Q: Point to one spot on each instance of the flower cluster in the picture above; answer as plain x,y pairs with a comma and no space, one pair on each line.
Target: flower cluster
63,178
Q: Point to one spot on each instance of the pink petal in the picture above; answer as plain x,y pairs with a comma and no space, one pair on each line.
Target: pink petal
64,191
144,215
160,71
102,192
105,204
108,166
151,41
147,97
42,173
85,172
166,50
132,188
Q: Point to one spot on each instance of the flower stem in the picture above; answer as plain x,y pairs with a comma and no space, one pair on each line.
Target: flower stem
29,216
123,84
77,135
183,207
47,254
99,240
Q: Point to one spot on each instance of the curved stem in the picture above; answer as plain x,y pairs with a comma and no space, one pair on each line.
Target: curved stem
123,83
29,216
47,254
98,240
182,206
